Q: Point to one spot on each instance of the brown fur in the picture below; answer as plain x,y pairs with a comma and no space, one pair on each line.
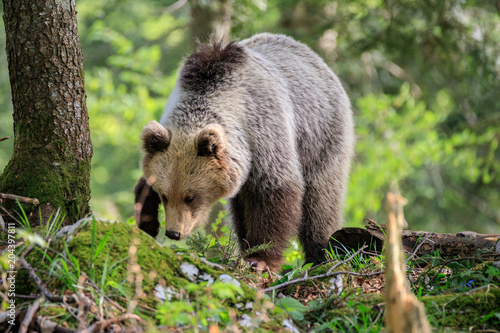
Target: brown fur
209,67
265,123
147,202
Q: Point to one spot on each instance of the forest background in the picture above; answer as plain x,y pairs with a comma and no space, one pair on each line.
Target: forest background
423,78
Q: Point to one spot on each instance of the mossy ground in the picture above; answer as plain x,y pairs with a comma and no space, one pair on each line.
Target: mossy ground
157,264
116,256
126,266
475,310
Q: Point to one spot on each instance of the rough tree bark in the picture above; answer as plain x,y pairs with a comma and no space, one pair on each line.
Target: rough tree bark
52,146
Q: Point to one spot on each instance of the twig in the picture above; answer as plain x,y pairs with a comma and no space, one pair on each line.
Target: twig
33,201
33,308
404,312
48,324
101,326
348,259
306,276
48,295
2,223
213,264
28,296
5,138
71,311
12,217
93,285
425,239
332,260
380,311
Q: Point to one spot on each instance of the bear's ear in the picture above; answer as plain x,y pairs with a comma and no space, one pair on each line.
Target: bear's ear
155,138
210,141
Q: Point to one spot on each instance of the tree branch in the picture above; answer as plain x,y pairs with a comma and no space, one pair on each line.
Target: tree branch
48,295
19,198
329,273
33,308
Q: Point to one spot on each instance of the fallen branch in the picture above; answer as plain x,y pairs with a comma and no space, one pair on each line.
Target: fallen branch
415,243
6,317
48,295
19,198
28,318
410,257
10,215
329,273
97,290
48,326
101,326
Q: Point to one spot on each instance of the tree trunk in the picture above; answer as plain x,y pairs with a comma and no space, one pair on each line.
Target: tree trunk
211,18
52,146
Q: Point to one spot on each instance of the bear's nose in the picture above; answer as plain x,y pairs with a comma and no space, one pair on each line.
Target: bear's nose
173,235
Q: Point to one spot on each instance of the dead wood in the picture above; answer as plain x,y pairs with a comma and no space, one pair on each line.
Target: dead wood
404,312
28,318
464,243
19,198
48,295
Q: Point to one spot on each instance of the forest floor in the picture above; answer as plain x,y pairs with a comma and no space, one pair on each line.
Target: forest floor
98,276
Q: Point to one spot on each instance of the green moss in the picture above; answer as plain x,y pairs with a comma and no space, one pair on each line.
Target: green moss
157,264
195,304
460,311
53,179
58,313
52,310
150,256
478,310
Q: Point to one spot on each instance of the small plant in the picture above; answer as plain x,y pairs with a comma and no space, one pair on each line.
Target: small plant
198,306
220,246
292,272
53,223
95,251
354,316
362,262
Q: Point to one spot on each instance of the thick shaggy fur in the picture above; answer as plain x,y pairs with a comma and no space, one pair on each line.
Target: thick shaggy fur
265,123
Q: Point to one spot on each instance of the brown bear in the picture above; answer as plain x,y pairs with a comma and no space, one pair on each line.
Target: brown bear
263,122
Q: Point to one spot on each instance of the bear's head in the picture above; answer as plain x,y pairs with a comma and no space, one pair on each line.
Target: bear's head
189,171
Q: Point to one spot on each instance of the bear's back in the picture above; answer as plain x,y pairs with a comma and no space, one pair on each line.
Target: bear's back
321,109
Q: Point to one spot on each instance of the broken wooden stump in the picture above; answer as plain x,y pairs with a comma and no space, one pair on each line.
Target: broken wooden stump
404,313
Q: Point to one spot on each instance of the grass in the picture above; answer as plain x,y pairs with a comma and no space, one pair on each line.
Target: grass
117,267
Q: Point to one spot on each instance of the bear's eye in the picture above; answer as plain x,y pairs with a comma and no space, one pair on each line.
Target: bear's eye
164,199
189,199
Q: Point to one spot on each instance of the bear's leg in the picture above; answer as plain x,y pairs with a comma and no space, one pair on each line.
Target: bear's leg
147,202
266,215
321,212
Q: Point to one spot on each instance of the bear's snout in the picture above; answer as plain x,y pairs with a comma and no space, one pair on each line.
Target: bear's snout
173,235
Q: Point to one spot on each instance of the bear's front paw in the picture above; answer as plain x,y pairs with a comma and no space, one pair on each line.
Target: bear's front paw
259,265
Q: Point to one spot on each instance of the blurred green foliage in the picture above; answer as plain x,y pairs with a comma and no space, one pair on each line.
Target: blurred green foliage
423,77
